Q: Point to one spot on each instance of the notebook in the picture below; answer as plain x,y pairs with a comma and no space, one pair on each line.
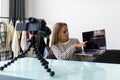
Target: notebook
96,41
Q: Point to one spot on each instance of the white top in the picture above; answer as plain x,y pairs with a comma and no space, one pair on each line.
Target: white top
65,50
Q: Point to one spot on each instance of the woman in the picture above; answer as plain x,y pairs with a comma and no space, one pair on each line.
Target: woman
62,46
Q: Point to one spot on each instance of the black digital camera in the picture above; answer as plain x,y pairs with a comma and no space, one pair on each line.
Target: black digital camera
36,26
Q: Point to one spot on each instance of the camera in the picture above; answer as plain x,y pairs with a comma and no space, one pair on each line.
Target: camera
34,26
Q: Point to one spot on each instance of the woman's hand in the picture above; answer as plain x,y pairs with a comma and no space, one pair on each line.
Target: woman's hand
82,44
101,52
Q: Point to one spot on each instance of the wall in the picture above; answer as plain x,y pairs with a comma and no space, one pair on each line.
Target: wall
0,7
81,15
4,8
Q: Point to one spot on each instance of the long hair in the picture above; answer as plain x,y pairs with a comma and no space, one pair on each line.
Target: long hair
56,31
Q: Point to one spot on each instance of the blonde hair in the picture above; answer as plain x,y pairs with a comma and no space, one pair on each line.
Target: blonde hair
56,31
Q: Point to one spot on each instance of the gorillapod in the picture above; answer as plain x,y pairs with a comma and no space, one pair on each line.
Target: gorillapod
37,53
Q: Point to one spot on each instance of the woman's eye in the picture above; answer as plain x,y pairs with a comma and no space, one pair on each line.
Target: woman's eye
65,31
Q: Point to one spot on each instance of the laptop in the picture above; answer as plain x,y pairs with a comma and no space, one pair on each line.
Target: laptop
96,41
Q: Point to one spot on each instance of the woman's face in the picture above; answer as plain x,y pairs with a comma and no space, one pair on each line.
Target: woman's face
64,35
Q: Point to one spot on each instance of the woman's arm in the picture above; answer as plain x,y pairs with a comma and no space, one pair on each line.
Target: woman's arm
63,55
74,45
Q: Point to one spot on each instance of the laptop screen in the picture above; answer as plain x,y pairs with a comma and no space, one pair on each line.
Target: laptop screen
96,39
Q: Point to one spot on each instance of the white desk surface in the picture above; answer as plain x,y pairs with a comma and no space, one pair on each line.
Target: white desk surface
64,70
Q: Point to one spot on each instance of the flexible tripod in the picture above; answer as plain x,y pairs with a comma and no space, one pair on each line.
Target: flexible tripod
37,53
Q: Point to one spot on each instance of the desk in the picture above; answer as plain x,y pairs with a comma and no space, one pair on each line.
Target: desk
31,68
84,57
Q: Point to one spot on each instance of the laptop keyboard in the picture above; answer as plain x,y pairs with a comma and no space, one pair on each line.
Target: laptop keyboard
91,50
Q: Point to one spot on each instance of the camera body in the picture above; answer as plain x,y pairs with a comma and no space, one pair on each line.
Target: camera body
34,26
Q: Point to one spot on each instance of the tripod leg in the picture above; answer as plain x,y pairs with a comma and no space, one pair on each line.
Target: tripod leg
44,62
38,54
12,61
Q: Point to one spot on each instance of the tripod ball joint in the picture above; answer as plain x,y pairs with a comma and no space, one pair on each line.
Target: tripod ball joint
15,58
5,65
42,60
52,73
43,63
46,66
48,70
9,63
1,68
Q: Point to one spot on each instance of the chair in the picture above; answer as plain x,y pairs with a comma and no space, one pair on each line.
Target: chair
48,53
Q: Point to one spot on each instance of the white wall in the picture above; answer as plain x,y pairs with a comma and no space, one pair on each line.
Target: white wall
4,8
81,15
0,7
